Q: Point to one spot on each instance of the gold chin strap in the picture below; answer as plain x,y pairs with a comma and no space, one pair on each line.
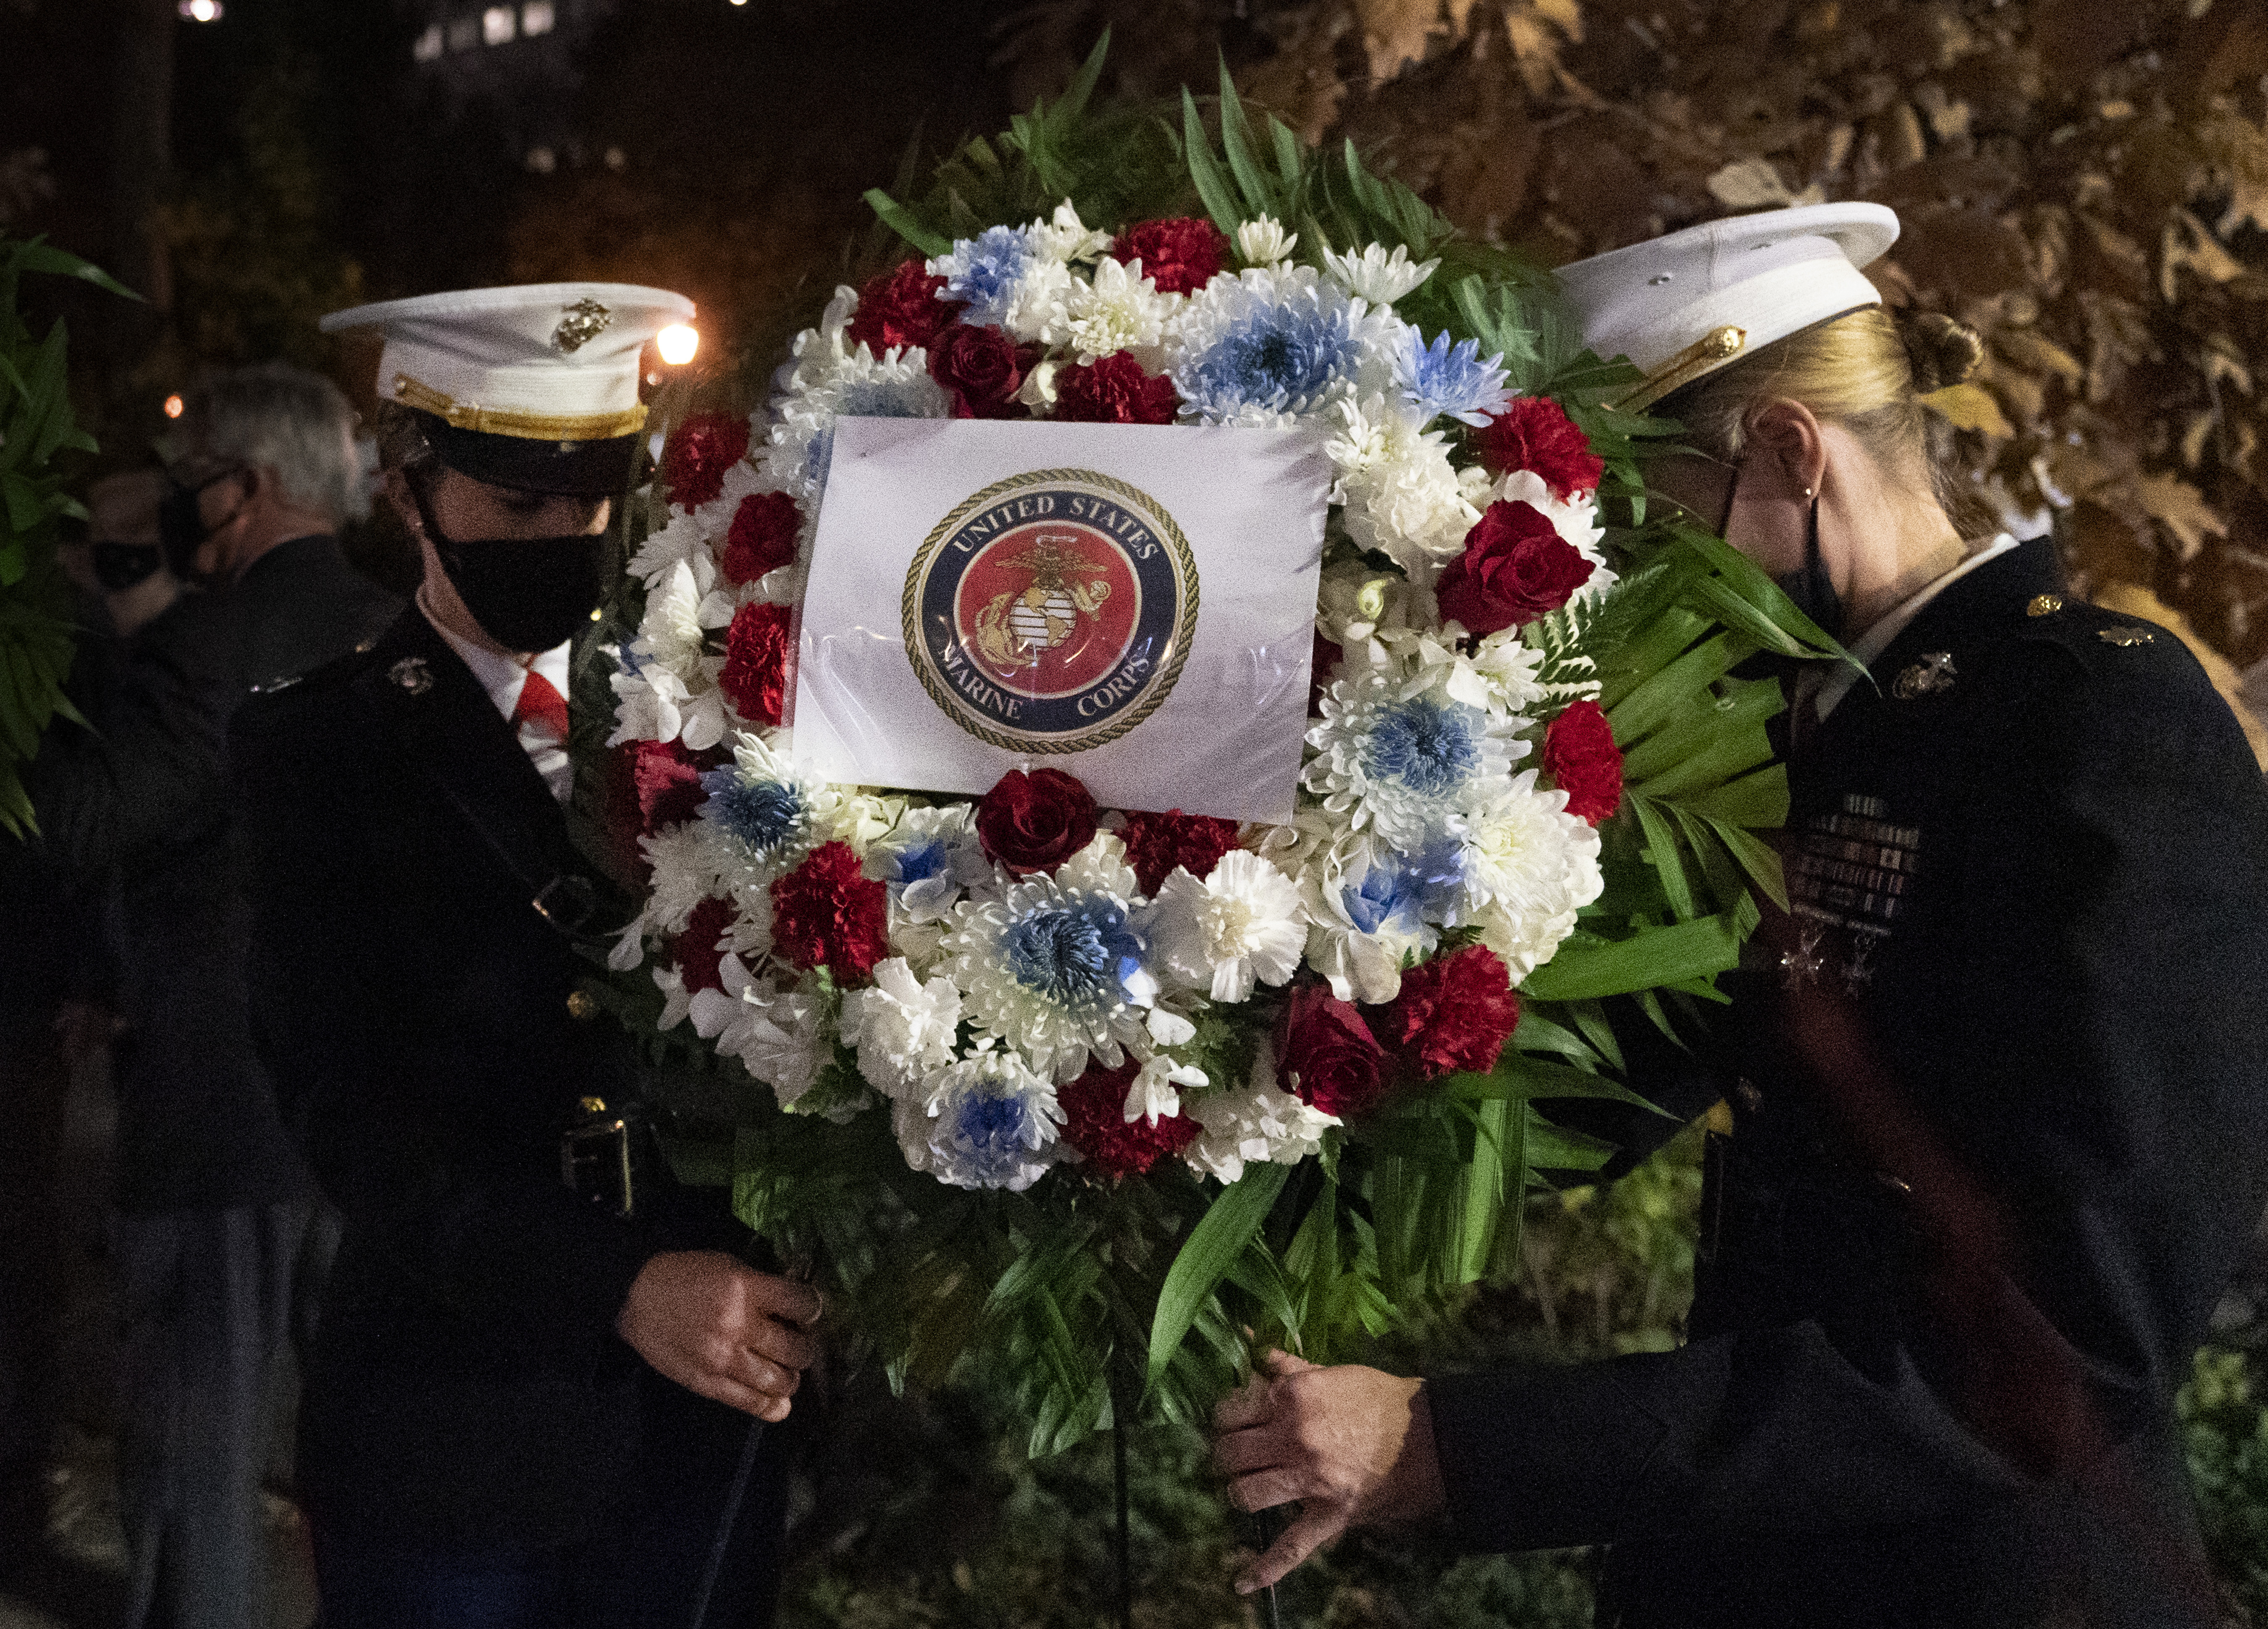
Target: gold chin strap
1710,351
526,426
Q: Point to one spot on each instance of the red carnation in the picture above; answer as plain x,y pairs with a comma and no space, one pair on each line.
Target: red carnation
1515,568
1036,821
827,912
694,462
1155,844
1327,1056
1581,757
699,950
754,679
1454,1013
1180,256
900,308
763,536
979,369
1534,432
668,779
1095,1123
1112,390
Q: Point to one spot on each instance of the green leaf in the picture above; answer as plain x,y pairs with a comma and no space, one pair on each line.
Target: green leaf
901,220
1662,955
1229,1224
1213,184
1662,849
41,257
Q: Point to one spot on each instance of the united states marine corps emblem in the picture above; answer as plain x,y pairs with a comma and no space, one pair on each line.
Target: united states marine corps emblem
1051,611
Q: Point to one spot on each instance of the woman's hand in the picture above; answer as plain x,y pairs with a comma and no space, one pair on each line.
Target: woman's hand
719,1327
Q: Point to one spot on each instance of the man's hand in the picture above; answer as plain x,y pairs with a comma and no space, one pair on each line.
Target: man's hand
719,1327
1351,1445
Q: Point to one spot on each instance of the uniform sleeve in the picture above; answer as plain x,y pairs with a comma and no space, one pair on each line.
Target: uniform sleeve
2077,1210
449,1175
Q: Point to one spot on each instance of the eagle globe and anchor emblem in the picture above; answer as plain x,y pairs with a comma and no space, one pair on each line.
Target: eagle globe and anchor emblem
1051,611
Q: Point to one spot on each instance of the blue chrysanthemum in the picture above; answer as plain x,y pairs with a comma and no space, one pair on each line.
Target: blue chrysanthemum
1442,378
762,813
1056,972
1408,890
989,1123
1265,346
1429,747
1080,956
984,272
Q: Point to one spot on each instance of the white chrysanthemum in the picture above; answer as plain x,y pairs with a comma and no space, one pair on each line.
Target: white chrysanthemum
676,999
676,543
1057,973
1241,924
928,859
986,1121
1404,760
780,1037
681,866
1154,1094
1576,520
896,386
1120,310
1276,345
1498,675
902,1029
680,614
1376,275
1100,867
1400,492
763,816
1371,909
1529,867
1066,238
1257,1122
1263,242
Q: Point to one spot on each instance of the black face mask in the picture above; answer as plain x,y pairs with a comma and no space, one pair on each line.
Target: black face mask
181,528
1811,588
119,566
526,593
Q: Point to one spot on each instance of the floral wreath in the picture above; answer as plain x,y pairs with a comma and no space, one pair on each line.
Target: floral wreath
1109,1095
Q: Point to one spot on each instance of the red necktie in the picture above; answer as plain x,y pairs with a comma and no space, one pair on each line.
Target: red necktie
541,702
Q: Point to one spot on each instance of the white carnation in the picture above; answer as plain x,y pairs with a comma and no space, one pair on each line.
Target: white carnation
902,1029
1241,924
1257,1122
1529,866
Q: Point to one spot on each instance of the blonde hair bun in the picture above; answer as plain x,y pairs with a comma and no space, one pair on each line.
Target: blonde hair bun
1941,349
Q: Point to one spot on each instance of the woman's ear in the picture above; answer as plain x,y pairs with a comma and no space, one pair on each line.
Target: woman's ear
1790,432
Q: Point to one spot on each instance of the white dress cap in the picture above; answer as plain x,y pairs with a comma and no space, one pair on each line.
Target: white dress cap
541,361
1687,303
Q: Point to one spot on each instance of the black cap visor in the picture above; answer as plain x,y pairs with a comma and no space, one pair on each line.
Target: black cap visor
567,468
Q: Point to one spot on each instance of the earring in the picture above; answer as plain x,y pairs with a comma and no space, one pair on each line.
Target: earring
1807,491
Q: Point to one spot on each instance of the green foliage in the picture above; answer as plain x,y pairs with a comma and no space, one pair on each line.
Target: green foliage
2225,1433
36,426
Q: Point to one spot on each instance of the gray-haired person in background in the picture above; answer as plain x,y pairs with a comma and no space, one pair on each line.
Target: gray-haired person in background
217,1218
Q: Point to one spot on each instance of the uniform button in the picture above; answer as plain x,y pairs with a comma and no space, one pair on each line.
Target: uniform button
2044,605
582,1006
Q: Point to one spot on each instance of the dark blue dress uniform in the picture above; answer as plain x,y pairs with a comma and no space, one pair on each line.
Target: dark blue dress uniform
1999,1088
468,1394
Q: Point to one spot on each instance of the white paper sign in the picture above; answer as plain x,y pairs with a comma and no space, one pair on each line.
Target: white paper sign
1133,604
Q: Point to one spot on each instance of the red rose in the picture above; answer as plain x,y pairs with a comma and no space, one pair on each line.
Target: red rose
1534,432
1515,568
1327,1056
1581,757
1095,1123
754,678
668,779
1180,256
1454,1013
1112,390
1155,844
694,462
979,369
1036,821
699,950
765,528
827,912
900,309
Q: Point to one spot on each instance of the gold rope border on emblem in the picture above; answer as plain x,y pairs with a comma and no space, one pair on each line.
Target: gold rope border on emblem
1185,576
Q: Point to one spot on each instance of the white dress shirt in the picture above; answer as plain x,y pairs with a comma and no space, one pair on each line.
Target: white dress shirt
503,678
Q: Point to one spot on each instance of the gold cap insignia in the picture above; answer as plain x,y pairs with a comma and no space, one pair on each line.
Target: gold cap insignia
412,675
2125,634
593,1105
583,1006
1932,675
2044,605
585,321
